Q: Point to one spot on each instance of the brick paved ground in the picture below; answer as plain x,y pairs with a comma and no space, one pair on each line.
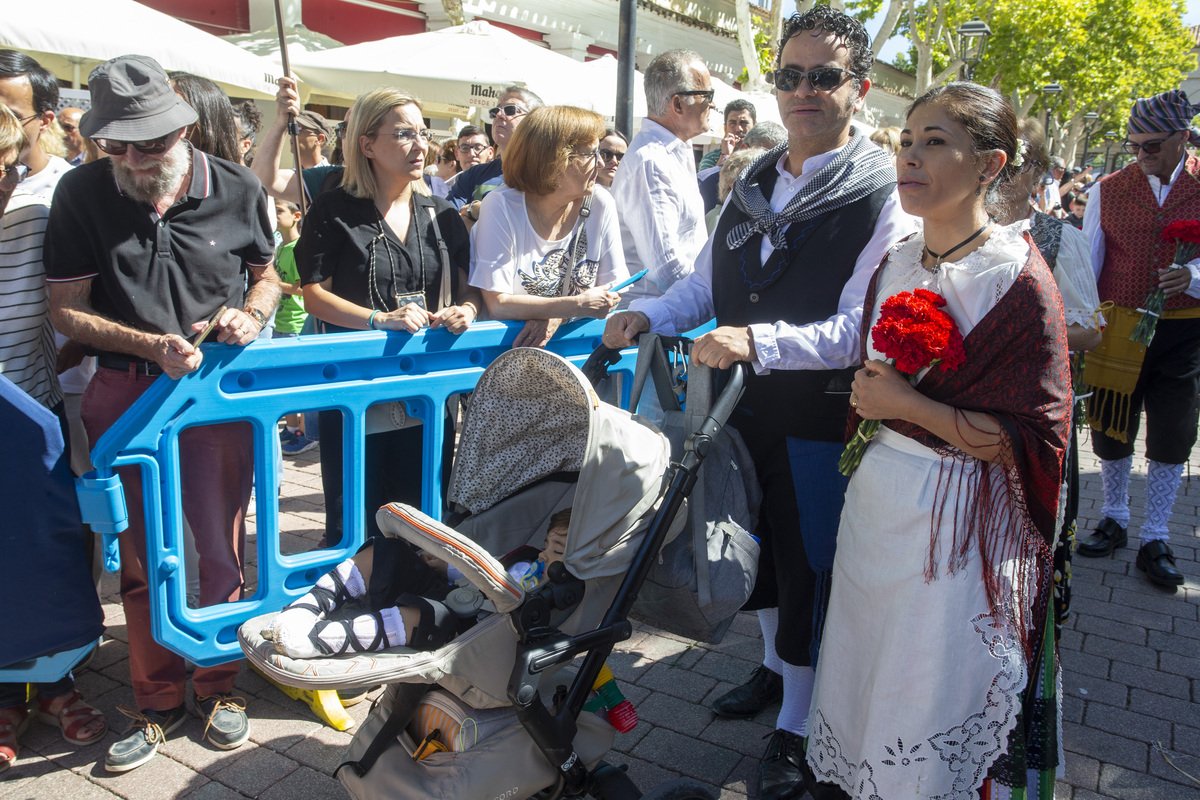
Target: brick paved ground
1131,659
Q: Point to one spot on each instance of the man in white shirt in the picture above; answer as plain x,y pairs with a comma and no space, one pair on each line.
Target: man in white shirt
785,274
658,201
31,93
1127,212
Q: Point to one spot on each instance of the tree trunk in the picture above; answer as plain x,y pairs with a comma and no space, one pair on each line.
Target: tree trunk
454,11
889,25
754,78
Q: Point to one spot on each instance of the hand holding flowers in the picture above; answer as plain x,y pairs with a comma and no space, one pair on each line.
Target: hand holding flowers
1186,235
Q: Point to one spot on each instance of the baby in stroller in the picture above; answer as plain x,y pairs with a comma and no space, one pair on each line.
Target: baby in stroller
403,592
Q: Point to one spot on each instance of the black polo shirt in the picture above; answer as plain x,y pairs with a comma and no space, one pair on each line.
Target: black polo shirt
160,274
335,244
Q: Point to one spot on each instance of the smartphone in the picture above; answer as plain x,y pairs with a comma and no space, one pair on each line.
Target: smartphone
212,323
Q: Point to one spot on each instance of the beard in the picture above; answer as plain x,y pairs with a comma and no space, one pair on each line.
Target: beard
153,185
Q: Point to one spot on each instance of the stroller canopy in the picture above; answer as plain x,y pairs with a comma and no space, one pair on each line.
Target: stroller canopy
534,414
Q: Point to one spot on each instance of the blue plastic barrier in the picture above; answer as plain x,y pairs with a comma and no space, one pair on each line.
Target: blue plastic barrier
259,384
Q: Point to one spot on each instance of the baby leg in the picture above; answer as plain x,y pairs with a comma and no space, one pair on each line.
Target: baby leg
418,622
334,589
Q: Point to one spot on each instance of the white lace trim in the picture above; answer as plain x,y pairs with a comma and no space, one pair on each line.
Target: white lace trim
999,247
966,751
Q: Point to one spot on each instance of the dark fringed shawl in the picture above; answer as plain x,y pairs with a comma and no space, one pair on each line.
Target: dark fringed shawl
1017,371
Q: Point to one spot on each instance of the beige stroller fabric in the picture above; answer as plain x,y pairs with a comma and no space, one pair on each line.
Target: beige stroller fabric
518,436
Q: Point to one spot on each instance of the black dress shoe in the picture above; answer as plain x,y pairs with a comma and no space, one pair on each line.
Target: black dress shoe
783,773
1108,536
764,688
1158,562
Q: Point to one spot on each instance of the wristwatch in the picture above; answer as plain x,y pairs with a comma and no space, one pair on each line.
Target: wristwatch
257,315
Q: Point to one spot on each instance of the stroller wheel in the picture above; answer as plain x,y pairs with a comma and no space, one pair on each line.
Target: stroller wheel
680,789
611,782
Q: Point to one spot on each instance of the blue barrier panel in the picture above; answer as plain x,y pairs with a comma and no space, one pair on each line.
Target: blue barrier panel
260,383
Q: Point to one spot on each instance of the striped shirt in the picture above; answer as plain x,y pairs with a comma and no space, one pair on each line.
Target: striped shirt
27,351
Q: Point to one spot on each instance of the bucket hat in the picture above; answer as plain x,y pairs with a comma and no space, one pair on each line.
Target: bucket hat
133,101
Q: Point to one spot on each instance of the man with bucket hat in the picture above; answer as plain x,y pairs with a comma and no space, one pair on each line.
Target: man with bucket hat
1127,212
142,249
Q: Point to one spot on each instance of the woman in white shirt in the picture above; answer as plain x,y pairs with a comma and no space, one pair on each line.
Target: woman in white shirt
547,245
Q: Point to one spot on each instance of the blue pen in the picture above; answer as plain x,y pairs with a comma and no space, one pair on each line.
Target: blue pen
625,284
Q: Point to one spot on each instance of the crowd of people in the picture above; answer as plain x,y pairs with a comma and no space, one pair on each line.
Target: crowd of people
909,610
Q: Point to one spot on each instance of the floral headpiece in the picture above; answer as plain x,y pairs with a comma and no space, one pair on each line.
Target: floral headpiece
1019,159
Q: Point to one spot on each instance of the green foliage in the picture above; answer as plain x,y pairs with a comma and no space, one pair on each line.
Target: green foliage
763,45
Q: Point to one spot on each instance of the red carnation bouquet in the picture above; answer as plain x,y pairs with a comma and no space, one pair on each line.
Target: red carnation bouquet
913,332
1186,233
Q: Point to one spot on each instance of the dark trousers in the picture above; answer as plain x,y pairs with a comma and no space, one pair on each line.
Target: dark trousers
797,528
391,471
1168,389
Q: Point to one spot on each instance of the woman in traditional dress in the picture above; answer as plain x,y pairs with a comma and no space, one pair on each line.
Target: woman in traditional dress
942,577
379,253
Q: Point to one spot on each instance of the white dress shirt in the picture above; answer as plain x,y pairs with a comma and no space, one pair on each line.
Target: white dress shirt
1095,235
660,209
832,343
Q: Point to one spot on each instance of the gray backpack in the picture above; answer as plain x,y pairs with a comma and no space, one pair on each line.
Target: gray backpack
702,578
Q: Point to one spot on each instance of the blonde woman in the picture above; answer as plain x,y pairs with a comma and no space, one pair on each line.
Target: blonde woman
370,259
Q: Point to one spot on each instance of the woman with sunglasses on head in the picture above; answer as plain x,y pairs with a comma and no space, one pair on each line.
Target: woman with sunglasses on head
612,150
941,580
548,244
378,253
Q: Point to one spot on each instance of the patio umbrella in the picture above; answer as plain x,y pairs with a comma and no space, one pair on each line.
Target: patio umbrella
452,70
70,37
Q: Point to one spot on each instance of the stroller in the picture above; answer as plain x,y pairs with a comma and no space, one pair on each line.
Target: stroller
536,439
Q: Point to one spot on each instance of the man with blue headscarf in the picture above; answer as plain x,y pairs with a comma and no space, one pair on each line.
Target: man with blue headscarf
1127,213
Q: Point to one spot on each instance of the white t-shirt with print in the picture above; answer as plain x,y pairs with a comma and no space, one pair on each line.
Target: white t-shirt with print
508,256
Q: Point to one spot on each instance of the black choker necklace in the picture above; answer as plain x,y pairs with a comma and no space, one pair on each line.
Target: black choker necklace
938,258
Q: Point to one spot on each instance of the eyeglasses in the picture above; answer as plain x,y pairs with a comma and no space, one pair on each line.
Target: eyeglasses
509,110
1151,148
823,79
410,135
14,173
593,156
150,147
23,120
472,148
339,130
68,127
609,155
706,94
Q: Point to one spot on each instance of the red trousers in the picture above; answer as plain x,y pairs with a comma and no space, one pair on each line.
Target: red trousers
216,471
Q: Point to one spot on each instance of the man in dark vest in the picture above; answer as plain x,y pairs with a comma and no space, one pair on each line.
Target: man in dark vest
1127,212
784,275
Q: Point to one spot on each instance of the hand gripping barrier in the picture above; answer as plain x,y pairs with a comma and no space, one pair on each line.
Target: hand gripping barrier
259,384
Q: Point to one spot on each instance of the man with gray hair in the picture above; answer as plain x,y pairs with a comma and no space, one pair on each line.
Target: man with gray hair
471,185
763,136
662,214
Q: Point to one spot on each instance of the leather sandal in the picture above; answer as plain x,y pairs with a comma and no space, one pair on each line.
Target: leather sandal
75,717
13,722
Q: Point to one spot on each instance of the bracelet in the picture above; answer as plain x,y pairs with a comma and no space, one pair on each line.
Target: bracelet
371,319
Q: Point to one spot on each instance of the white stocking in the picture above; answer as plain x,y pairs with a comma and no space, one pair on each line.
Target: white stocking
1115,475
1162,483
797,697
768,620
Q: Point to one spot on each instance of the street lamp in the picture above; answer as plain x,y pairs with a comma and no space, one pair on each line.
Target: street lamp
1089,122
1110,138
1052,96
972,44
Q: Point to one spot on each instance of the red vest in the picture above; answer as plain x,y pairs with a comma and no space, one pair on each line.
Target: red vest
1132,222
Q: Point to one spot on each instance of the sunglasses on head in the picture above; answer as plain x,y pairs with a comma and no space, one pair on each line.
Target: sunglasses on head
823,79
609,155
509,110
149,147
339,130
1151,148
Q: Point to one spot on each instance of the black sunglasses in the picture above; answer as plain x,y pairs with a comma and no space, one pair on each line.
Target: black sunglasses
823,79
1151,148
707,94
14,172
150,147
509,110
609,155
68,127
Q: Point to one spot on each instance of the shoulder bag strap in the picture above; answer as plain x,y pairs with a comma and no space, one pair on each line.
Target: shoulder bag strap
578,241
445,294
